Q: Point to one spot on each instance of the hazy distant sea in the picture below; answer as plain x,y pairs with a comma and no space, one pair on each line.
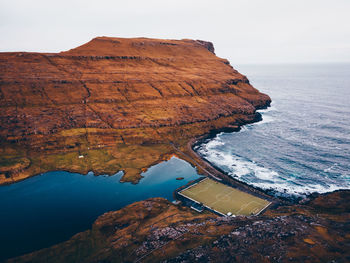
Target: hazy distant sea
303,143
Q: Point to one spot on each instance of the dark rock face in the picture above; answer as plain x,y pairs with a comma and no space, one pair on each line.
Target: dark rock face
298,233
125,104
208,45
116,84
281,239
114,92
157,231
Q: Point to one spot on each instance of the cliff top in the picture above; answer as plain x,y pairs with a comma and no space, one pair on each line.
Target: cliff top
144,47
138,94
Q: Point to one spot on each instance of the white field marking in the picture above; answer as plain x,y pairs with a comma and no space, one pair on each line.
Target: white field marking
184,195
204,190
256,209
195,209
189,191
257,202
202,204
221,200
193,185
209,206
195,193
209,186
245,205
214,210
263,208
189,198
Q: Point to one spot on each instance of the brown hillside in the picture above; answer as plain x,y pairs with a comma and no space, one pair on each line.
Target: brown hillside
114,92
155,230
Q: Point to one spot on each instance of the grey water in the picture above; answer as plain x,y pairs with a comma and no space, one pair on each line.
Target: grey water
302,145
50,208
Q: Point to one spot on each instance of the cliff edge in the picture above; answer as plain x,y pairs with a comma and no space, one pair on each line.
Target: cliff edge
155,230
112,99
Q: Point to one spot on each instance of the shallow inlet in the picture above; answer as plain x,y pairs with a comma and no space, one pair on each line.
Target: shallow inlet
50,208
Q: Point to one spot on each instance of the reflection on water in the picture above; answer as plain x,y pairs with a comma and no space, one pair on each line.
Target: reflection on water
50,208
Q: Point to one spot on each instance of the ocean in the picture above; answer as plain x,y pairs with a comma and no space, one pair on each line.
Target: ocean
302,145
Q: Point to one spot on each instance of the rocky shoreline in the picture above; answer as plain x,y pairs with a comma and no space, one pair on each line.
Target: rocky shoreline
217,171
156,230
117,104
111,99
318,224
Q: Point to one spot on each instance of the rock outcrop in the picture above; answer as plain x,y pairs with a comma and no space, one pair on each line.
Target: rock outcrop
124,104
115,95
158,231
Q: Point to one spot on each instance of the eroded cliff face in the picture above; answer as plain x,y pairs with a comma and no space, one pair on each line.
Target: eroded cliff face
156,230
114,101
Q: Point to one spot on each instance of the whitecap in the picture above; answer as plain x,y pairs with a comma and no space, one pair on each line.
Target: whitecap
265,178
269,109
265,119
329,169
215,143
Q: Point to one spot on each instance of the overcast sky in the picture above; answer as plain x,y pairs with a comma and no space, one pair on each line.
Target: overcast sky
244,31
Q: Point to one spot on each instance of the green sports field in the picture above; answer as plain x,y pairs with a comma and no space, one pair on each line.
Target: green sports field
224,199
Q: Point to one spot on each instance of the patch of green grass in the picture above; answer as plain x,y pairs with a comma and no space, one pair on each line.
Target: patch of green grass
224,199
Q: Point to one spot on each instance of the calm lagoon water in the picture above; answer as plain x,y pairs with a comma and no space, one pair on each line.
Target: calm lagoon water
302,145
50,208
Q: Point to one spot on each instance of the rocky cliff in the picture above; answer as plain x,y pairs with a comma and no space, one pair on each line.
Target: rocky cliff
124,104
158,231
119,104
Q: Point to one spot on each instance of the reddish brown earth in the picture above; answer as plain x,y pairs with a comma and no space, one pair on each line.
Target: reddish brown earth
125,104
118,102
158,231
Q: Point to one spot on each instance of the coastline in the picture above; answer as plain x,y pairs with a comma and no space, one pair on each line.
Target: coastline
279,207
210,170
127,105
202,165
188,154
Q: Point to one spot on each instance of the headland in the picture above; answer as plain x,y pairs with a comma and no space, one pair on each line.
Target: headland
117,104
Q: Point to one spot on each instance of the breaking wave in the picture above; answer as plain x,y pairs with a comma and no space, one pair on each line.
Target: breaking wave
250,172
299,147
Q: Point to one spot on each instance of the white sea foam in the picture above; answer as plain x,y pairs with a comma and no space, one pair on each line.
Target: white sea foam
329,169
269,109
282,183
265,119
262,177
215,142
